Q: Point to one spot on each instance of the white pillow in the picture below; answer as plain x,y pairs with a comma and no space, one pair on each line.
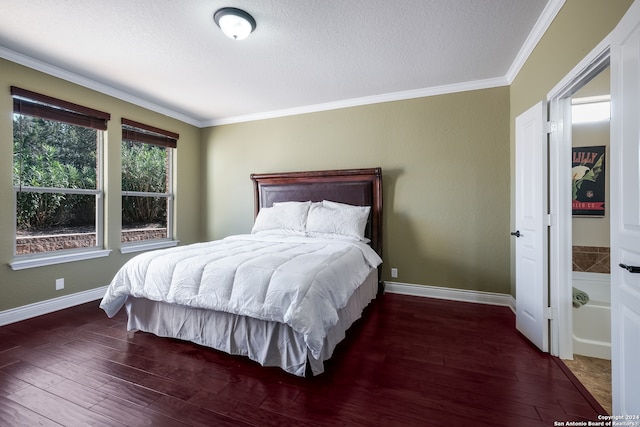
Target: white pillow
345,221
337,205
302,205
289,217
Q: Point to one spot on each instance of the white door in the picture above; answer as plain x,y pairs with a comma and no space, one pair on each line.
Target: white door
625,214
531,234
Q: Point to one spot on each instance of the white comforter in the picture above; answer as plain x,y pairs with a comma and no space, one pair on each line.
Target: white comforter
299,281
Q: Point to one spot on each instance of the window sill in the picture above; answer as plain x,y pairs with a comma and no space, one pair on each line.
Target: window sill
33,261
148,246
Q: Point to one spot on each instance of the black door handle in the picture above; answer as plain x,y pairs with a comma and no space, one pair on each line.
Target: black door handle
630,268
516,233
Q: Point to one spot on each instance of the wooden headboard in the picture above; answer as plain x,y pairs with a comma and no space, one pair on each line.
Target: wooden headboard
360,187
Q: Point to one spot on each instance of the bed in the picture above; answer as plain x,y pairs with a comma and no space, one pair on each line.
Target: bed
283,295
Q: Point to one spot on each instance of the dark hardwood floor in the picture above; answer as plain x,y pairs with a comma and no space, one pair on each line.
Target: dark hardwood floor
409,361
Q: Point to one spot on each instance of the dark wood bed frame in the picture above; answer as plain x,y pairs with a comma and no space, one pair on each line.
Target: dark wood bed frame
360,187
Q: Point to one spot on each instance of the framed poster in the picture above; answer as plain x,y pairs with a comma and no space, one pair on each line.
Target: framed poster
587,178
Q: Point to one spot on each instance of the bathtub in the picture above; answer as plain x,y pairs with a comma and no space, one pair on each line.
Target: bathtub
592,321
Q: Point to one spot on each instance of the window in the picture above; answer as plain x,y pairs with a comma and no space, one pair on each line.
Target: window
57,177
591,109
147,195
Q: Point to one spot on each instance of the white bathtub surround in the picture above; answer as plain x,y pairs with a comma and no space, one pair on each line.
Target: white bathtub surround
592,321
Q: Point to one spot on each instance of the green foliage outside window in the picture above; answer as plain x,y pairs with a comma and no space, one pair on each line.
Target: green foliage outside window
53,154
56,155
144,168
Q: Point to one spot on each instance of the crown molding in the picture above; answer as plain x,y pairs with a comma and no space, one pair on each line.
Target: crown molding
54,71
366,100
69,76
544,21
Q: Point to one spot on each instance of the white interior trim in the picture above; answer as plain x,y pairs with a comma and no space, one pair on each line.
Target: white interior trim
561,231
594,57
38,65
51,70
465,295
544,21
49,306
31,261
366,100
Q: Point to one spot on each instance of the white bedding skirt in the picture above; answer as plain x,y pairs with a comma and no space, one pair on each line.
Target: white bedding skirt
266,342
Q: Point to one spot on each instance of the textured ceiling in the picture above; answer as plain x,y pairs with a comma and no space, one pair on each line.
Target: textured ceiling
168,55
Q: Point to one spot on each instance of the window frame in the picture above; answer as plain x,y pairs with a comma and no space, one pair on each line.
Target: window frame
139,132
28,103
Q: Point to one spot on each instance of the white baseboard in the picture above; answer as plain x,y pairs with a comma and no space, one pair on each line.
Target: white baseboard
49,306
452,294
45,307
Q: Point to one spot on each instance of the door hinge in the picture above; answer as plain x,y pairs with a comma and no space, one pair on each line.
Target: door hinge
550,313
551,126
550,220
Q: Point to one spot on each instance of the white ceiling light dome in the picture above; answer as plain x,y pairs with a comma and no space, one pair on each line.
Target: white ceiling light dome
235,23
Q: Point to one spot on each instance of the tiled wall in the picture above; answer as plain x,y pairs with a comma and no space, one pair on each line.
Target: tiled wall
592,259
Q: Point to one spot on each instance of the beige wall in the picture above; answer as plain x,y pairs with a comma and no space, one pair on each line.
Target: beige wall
18,288
577,29
445,162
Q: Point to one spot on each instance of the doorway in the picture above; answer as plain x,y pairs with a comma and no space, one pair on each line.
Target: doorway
590,79
560,196
591,284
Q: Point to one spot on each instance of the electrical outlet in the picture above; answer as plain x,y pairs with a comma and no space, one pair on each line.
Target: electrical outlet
394,273
59,284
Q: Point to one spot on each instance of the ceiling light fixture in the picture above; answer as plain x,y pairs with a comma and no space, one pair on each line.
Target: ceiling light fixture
235,23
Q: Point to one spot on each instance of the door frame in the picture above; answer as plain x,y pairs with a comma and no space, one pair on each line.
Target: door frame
560,232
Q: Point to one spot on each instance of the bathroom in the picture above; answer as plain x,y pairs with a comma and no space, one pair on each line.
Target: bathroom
591,235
